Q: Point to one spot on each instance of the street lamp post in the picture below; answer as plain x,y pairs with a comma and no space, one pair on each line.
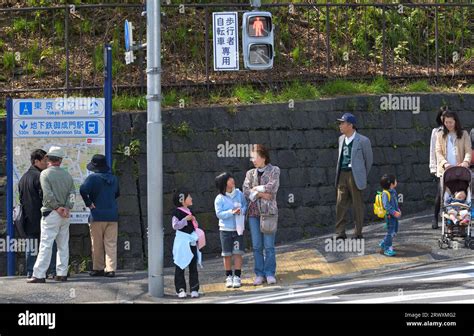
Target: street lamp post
154,151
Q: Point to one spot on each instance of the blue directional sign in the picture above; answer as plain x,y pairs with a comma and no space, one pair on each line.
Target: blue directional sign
128,35
59,108
75,124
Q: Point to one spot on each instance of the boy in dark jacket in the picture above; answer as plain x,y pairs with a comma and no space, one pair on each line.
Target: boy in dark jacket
100,191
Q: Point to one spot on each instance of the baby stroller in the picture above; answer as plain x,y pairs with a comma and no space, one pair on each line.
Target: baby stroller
456,179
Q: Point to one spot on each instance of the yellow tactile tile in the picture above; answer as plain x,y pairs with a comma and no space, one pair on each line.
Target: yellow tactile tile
307,264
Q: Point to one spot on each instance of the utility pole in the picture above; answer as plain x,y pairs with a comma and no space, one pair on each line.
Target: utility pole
154,151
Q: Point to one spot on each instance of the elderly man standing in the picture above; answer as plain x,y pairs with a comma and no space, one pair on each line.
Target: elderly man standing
58,199
353,166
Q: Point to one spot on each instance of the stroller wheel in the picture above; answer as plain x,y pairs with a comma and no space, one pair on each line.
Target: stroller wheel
442,244
471,244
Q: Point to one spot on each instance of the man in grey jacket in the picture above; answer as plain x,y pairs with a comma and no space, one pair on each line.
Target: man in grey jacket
353,166
58,200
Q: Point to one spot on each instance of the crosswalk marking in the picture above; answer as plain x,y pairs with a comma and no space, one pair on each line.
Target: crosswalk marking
454,276
325,298
307,295
412,297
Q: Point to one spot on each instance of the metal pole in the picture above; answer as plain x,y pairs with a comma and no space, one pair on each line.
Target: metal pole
66,42
154,151
384,61
436,42
108,102
328,45
11,260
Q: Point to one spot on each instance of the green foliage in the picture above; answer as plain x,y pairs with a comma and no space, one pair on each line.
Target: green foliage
296,54
33,54
419,86
98,59
21,25
63,65
9,61
182,130
246,94
59,29
379,85
86,26
298,91
172,99
40,72
129,103
341,87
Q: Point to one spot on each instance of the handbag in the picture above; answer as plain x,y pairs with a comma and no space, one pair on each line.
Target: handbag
268,223
19,220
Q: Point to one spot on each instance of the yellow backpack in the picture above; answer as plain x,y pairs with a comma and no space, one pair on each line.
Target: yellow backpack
379,210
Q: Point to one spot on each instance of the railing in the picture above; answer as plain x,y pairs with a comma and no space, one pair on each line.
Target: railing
59,49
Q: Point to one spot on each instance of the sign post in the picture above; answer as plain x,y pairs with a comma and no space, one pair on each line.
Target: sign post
79,125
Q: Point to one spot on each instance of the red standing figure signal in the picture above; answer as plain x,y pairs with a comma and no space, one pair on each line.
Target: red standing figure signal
258,27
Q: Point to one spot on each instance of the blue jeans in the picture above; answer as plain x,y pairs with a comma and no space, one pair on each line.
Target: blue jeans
392,229
31,259
264,266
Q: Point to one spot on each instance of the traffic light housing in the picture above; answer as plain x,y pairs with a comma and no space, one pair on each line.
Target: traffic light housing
257,40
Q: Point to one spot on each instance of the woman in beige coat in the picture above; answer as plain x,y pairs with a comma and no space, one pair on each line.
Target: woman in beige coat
453,145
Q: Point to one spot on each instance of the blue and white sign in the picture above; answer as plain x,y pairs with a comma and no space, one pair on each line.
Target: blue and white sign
78,125
59,107
226,41
128,29
58,128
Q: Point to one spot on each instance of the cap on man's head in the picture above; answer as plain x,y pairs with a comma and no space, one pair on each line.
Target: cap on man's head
56,152
348,117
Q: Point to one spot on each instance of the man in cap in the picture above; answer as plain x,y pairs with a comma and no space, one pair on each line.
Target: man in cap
99,192
58,199
353,166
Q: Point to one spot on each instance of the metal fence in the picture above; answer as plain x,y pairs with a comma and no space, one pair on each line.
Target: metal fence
59,49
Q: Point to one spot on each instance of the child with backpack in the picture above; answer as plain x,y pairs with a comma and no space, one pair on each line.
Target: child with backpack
386,206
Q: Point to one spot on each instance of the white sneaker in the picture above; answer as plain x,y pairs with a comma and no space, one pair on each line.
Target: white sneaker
271,280
229,283
182,294
194,294
236,283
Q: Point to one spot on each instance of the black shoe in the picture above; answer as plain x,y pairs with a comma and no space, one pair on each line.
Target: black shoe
109,274
60,278
36,280
96,273
434,225
359,237
341,237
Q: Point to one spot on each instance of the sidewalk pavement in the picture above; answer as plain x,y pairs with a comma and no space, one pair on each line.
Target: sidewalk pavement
297,263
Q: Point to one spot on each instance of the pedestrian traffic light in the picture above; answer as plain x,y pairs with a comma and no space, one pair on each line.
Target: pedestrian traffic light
257,40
